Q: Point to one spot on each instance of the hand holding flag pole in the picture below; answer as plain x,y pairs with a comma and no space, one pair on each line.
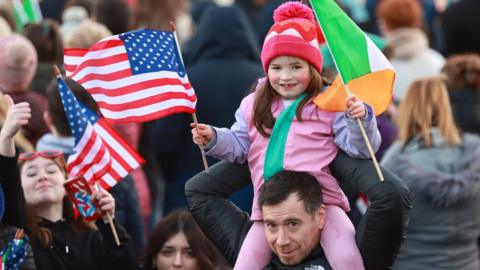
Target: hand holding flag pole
194,115
109,217
367,141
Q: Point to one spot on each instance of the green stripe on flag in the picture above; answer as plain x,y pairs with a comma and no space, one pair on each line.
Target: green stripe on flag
32,9
345,39
276,145
21,17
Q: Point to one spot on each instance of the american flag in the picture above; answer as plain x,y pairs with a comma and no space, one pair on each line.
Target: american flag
136,76
100,153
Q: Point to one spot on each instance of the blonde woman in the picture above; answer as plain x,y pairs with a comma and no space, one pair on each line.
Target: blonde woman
442,168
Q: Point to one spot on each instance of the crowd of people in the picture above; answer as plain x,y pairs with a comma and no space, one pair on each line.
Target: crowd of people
288,185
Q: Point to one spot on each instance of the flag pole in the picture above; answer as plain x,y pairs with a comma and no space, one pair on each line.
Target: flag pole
109,218
359,122
194,115
57,73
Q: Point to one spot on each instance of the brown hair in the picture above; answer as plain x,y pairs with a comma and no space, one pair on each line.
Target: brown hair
44,235
462,71
46,38
156,14
169,226
400,13
55,105
265,94
427,105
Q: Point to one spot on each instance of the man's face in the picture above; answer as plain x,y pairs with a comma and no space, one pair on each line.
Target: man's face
291,231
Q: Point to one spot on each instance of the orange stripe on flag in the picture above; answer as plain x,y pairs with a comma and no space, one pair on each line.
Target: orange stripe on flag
375,89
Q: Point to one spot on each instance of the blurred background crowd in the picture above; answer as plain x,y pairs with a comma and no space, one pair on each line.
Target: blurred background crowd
221,42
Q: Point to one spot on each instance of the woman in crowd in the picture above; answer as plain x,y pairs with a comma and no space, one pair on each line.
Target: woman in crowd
442,168
59,240
178,242
401,23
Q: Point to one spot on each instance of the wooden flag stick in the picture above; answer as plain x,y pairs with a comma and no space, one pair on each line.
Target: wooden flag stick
367,141
194,115
202,150
110,220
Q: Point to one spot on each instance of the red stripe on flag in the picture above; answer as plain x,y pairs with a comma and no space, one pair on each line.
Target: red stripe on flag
146,101
81,153
152,116
120,140
139,86
110,77
75,52
106,44
110,60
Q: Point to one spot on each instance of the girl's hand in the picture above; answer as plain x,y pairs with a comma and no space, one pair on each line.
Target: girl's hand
202,134
355,108
106,202
17,116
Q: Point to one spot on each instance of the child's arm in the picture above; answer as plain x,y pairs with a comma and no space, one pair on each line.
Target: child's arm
348,135
227,144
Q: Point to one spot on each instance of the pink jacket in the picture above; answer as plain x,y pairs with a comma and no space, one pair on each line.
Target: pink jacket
310,147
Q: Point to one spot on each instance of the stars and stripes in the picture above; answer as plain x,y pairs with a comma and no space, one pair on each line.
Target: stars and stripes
99,152
136,76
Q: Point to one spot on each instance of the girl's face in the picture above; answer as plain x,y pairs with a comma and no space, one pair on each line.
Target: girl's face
289,76
42,181
176,254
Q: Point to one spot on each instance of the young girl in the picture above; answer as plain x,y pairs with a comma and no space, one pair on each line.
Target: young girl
292,62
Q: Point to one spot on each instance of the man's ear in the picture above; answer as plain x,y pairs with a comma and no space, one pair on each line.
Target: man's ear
321,216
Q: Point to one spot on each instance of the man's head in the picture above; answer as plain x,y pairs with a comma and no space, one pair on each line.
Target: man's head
293,214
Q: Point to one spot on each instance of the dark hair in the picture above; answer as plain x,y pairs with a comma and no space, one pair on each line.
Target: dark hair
262,108
47,40
169,226
114,14
279,187
55,105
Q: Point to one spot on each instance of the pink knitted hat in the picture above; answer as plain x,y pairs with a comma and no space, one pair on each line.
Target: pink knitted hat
293,34
18,63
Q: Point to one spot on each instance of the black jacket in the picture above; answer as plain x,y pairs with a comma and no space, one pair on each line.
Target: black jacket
379,233
71,249
315,260
86,249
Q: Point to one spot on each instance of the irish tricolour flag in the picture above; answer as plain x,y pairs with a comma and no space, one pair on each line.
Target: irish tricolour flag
361,65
